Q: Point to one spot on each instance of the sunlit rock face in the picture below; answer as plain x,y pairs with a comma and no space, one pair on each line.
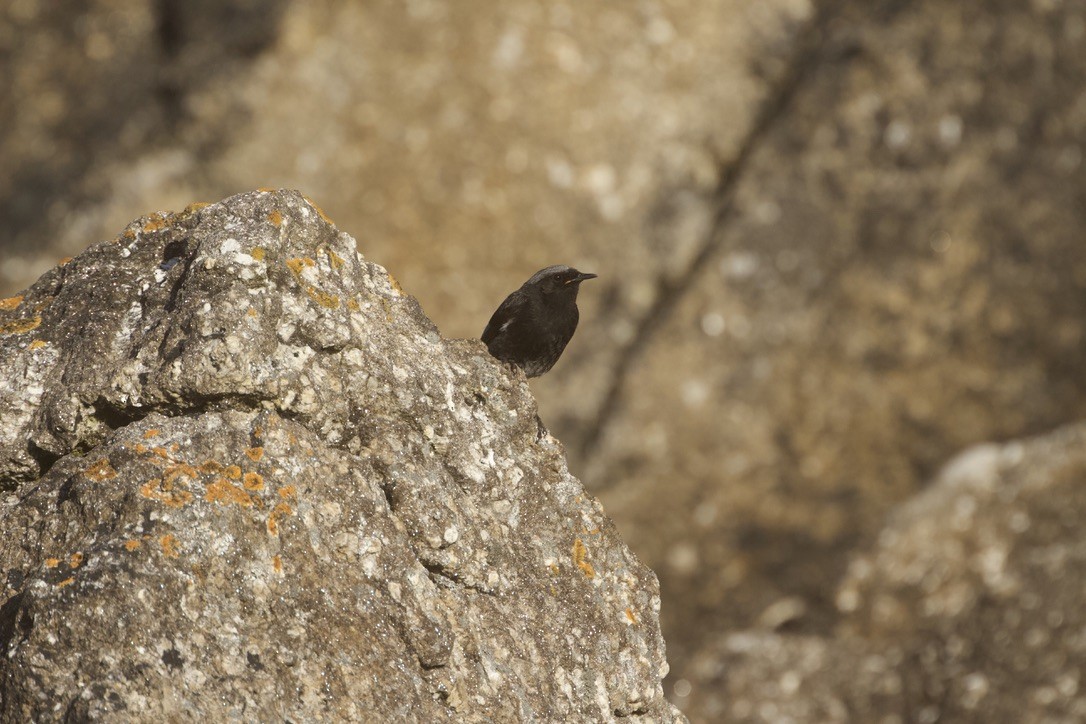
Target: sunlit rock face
246,477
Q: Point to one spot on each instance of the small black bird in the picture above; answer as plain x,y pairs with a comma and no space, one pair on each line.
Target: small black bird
535,323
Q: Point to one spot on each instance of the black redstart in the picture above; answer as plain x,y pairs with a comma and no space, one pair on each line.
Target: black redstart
533,325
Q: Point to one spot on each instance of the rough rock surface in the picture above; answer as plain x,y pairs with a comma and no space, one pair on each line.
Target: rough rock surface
245,477
902,276
969,609
839,241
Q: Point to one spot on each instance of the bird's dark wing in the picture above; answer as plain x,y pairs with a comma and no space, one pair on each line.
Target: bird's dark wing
502,317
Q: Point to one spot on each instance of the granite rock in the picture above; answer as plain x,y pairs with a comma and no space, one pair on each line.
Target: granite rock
245,477
967,609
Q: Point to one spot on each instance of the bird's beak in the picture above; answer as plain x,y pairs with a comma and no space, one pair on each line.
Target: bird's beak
580,278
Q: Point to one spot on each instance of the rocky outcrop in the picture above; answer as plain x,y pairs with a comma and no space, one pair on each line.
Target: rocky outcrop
245,477
839,241
901,277
969,609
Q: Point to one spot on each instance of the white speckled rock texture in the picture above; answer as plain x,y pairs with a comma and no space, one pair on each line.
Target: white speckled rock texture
245,477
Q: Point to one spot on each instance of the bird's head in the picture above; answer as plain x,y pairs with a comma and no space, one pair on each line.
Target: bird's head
559,280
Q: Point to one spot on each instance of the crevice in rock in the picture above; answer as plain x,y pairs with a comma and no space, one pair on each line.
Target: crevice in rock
115,417
442,576
66,492
386,490
639,710
11,623
811,42
44,458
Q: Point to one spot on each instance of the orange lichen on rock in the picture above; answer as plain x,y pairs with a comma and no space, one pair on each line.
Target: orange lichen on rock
163,489
7,305
279,511
150,433
169,546
21,326
211,467
75,560
180,469
325,300
288,491
276,218
64,260
52,562
195,206
141,448
156,223
251,312
161,452
630,615
353,305
580,557
37,344
100,471
253,481
66,582
223,492
267,189
319,210
131,545
233,472
334,259
395,285
257,253
254,453
277,563
297,264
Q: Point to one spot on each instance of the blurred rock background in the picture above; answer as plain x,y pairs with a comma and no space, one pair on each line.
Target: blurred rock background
838,242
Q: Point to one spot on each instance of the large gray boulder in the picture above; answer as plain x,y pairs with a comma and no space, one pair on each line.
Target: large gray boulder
245,477
968,609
